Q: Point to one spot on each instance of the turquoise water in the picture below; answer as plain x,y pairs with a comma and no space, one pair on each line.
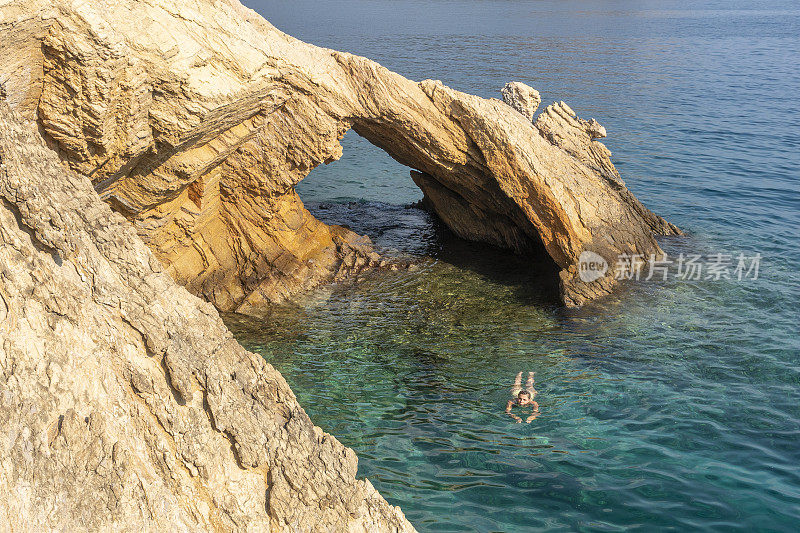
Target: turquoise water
670,405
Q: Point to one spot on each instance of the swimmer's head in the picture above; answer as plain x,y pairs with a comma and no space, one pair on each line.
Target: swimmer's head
524,397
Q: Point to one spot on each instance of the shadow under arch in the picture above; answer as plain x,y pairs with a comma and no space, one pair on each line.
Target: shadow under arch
371,193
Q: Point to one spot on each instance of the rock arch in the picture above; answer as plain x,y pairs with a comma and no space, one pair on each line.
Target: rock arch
198,136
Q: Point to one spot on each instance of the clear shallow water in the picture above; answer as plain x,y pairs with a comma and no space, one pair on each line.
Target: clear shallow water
669,405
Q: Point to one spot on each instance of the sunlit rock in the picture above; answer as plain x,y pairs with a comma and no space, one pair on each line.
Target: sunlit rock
126,403
196,121
521,97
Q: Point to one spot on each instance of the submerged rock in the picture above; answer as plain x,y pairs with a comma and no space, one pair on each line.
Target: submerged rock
196,121
126,403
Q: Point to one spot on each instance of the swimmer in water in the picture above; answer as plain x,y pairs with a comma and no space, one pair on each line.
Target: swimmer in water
523,398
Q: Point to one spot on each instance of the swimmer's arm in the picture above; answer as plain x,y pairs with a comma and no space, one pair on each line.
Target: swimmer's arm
534,414
509,405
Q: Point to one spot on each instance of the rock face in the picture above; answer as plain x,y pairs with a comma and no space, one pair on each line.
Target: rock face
196,120
126,403
521,97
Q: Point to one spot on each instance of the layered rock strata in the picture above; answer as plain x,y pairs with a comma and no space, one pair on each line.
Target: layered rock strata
126,403
196,120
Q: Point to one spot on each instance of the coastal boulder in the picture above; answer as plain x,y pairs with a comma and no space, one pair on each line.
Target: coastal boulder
521,97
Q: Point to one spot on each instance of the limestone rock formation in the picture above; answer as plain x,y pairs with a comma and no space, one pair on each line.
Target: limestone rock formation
126,403
196,120
521,97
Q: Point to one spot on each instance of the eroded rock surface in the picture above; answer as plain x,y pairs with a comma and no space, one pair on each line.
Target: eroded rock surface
196,120
126,405
521,97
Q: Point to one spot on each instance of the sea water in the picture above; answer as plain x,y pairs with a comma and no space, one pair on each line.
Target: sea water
668,405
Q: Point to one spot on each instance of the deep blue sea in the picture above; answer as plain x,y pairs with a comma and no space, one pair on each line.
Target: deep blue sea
671,405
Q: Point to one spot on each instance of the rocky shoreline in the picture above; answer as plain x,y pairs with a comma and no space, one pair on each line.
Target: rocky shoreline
150,150
127,404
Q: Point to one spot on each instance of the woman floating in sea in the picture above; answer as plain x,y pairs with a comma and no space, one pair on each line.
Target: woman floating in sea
523,397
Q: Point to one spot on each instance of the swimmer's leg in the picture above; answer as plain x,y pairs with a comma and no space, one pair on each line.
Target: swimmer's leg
529,384
517,387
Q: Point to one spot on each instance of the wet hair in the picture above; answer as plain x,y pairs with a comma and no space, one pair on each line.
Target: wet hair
526,393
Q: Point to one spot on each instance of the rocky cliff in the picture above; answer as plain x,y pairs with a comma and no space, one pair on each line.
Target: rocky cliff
195,120
126,403
153,141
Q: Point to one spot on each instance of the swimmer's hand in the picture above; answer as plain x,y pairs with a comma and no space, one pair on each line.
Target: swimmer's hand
509,406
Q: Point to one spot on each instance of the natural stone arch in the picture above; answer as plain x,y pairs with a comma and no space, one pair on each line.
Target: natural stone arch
201,139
